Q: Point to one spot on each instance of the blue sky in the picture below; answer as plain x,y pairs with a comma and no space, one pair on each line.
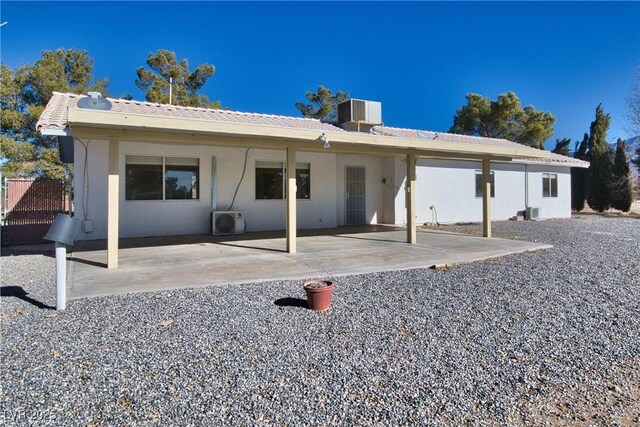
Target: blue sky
418,58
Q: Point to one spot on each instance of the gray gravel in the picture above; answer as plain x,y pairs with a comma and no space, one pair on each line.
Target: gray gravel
545,338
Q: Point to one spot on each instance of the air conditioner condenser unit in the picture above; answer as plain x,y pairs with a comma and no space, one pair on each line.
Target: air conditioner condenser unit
533,213
227,222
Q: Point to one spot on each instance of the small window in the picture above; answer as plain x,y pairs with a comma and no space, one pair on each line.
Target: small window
303,181
270,180
549,185
479,184
180,178
143,180
161,178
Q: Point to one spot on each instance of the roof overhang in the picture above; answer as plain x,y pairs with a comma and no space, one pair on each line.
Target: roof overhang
541,162
55,132
95,124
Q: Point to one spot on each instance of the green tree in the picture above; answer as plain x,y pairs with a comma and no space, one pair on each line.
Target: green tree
562,146
600,174
503,118
579,176
163,66
622,183
323,104
24,93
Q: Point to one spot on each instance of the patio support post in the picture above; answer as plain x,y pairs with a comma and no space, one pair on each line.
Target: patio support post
486,198
291,200
113,202
410,196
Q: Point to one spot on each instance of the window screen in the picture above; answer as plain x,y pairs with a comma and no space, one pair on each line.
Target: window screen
143,178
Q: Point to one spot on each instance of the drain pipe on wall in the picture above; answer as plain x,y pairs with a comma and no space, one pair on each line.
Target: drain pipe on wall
526,186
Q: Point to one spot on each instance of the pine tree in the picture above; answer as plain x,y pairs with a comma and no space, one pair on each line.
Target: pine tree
600,173
165,74
579,176
24,93
622,183
503,118
562,146
323,104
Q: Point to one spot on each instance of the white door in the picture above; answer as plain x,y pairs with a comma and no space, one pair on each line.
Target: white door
355,200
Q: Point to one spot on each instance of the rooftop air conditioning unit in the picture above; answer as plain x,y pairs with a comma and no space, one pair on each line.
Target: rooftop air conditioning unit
359,111
533,213
227,222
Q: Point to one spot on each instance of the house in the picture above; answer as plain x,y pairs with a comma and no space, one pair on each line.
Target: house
146,169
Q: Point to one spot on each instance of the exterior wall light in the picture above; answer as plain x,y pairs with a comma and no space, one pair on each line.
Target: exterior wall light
325,141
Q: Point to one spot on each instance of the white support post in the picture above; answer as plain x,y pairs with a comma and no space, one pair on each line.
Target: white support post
61,276
113,203
486,198
410,195
291,200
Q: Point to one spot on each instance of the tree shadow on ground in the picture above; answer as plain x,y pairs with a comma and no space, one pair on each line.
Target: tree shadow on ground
21,294
291,302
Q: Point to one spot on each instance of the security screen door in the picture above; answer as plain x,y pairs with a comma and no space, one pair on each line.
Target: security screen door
355,195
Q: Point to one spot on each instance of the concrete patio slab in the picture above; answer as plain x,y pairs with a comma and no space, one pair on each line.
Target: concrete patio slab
150,264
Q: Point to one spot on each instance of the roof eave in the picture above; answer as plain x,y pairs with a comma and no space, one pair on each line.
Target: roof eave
55,132
583,165
115,120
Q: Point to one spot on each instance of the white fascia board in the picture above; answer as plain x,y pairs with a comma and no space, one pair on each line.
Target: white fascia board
552,163
116,120
55,132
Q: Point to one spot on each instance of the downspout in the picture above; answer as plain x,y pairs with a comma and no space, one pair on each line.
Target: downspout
526,186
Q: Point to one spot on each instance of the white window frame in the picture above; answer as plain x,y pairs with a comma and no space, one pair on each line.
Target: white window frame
551,177
492,178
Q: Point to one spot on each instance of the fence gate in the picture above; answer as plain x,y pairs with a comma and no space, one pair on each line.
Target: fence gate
29,207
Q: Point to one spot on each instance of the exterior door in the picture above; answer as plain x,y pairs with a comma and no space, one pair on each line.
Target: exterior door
355,195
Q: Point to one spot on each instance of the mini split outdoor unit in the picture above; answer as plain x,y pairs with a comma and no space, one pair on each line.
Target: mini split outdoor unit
227,222
533,213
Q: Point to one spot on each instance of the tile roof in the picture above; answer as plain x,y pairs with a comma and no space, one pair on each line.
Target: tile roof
553,158
556,159
443,136
55,114
55,117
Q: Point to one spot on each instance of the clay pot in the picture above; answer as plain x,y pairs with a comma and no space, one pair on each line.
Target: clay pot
319,294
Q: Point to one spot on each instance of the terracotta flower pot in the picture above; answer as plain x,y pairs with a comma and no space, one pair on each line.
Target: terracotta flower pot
319,294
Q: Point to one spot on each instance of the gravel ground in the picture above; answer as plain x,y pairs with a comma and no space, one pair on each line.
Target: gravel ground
545,338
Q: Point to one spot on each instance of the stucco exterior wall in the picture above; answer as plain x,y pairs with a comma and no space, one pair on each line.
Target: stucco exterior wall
176,217
552,207
449,185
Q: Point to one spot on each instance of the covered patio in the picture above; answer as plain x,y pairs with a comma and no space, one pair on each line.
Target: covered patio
161,263
114,127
